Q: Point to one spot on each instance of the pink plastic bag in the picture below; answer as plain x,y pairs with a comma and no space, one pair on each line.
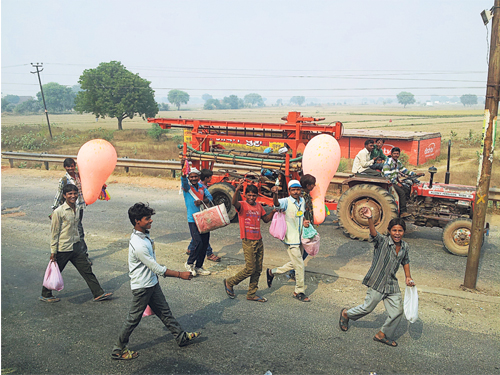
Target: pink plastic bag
311,245
53,279
148,311
278,226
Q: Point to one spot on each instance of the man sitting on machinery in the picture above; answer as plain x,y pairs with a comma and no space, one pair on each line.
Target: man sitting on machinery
394,170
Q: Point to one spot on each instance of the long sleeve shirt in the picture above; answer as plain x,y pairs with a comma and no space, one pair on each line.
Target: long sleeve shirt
142,265
294,216
64,228
378,152
67,179
189,200
392,169
382,274
362,161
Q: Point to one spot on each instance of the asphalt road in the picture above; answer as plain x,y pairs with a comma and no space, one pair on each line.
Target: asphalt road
238,337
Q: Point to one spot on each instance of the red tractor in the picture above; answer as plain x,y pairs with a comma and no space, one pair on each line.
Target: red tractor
430,204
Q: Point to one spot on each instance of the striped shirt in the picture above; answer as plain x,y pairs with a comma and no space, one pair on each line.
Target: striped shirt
382,274
392,169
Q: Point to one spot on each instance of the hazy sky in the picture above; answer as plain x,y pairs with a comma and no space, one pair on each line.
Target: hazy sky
327,49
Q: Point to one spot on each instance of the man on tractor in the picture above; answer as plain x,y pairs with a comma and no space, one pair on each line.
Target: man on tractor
393,169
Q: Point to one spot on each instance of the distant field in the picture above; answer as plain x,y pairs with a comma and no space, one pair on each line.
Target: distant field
72,130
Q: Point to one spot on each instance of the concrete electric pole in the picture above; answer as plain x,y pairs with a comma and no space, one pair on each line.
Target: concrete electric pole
37,65
487,147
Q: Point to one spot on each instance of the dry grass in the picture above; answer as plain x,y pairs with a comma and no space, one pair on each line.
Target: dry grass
134,142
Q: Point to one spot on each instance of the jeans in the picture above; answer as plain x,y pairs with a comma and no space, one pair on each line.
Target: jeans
155,298
79,260
200,241
209,248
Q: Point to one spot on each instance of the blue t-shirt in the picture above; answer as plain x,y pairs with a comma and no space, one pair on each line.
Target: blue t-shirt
189,200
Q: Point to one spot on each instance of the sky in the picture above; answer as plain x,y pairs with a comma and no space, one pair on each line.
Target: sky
330,50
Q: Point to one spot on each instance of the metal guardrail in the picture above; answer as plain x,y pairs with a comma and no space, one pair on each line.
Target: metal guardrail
172,165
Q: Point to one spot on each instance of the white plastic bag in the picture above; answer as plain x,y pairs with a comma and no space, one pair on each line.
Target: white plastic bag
411,304
53,279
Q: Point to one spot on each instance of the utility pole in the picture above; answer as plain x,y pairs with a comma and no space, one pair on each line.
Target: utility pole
486,157
37,65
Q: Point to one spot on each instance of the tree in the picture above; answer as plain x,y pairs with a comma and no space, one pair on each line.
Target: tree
211,104
233,102
299,100
279,102
58,98
163,106
111,90
468,99
28,106
405,98
12,99
178,97
254,99
206,97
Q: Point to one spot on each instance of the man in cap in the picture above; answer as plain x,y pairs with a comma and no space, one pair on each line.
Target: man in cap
294,207
195,194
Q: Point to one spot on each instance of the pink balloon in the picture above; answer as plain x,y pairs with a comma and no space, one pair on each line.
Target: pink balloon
321,159
96,161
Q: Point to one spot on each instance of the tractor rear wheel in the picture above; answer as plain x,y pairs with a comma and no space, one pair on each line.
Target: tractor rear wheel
380,201
456,236
222,192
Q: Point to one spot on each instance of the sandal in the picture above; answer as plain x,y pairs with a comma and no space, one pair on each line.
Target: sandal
124,354
270,278
343,322
51,299
257,299
213,258
301,297
384,340
103,297
229,291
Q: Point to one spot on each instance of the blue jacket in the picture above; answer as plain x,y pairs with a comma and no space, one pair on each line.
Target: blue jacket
189,200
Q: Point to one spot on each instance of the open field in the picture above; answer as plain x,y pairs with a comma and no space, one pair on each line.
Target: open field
72,130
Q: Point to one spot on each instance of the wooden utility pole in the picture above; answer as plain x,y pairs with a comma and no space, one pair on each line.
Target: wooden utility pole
37,65
486,157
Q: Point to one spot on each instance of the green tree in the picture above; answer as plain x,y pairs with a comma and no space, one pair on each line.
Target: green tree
163,106
58,98
254,99
28,106
279,102
212,104
405,98
12,99
299,100
468,99
206,97
178,97
111,90
233,102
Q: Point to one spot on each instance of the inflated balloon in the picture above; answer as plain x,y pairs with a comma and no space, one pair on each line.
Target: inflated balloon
96,161
321,159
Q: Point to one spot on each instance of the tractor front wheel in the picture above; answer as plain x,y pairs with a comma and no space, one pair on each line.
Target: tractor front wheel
456,236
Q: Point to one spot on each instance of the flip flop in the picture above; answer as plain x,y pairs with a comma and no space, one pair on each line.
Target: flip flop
49,299
229,292
124,355
385,341
301,297
257,299
270,278
103,297
343,322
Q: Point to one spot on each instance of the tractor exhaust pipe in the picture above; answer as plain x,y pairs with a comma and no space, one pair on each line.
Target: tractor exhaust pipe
432,171
447,175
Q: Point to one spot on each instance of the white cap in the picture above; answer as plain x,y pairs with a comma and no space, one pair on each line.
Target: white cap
293,184
194,170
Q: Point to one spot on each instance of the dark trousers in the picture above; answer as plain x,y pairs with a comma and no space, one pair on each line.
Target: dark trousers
153,297
377,167
200,243
209,248
402,198
79,260
82,234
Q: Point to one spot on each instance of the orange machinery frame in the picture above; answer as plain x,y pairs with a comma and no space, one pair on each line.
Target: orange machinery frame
296,132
